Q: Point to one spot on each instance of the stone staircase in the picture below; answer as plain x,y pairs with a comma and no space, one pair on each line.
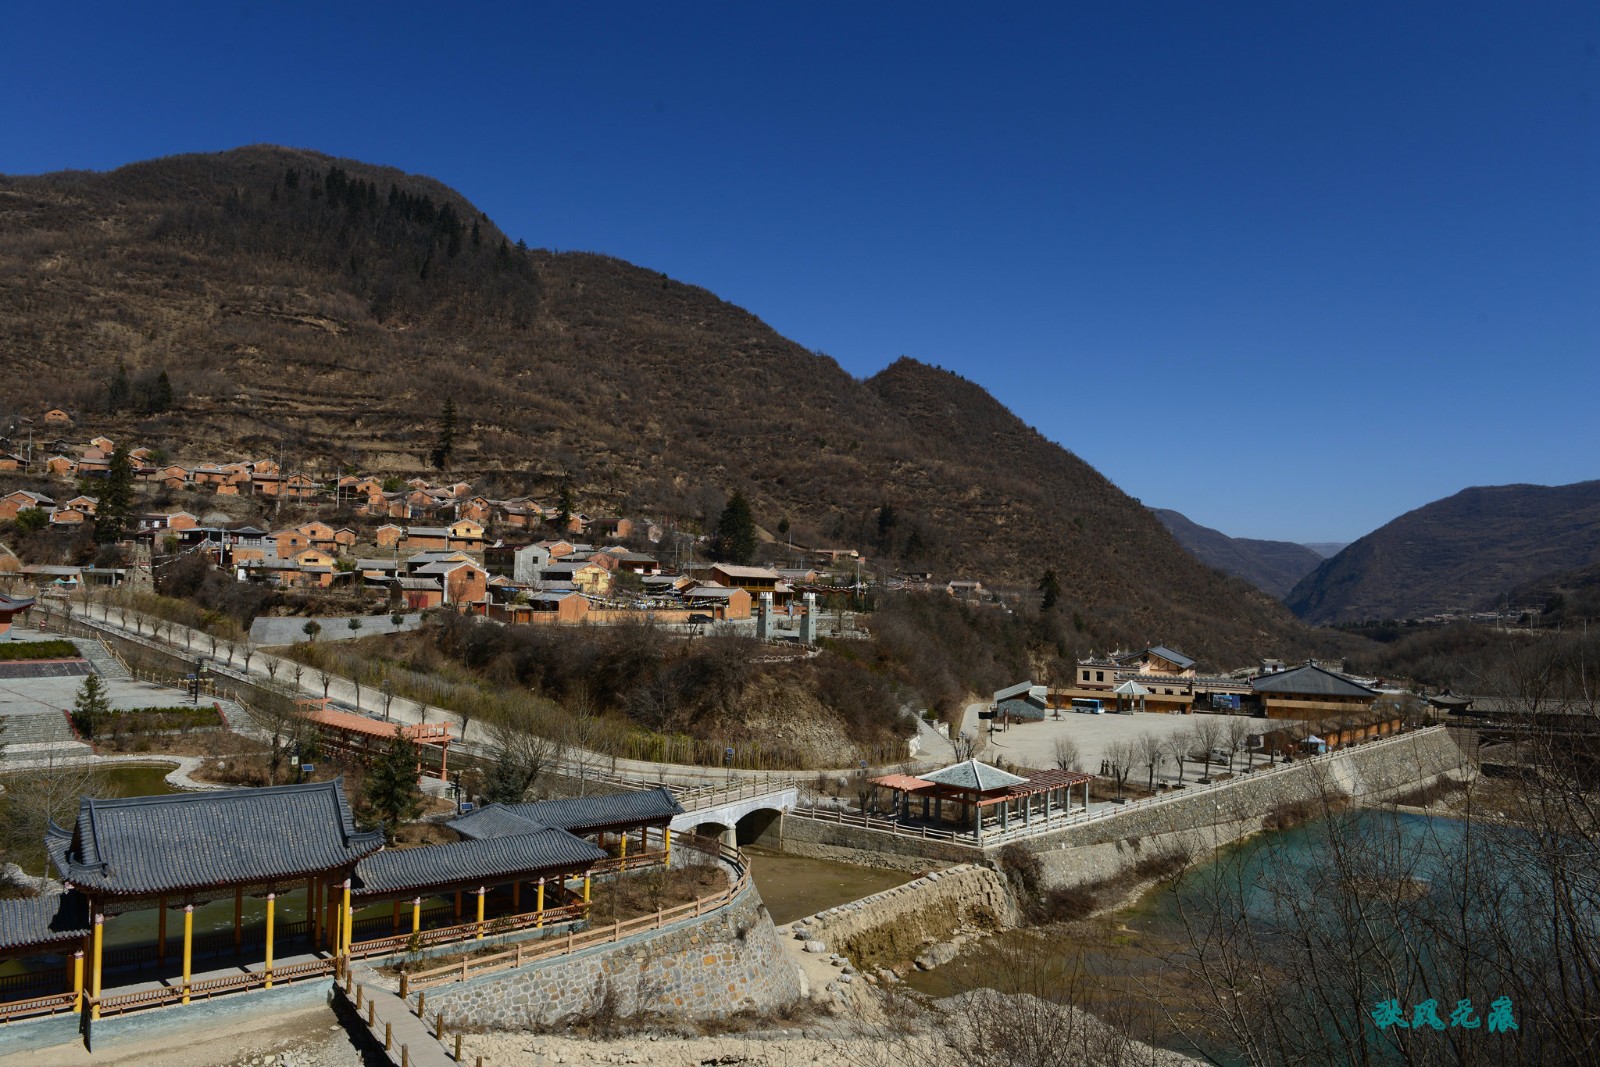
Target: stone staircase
38,735
100,658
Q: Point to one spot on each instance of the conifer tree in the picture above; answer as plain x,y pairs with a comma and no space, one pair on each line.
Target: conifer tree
118,392
116,498
446,442
1049,590
390,791
736,532
92,707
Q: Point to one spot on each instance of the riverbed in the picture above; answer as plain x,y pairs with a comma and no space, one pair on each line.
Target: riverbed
793,886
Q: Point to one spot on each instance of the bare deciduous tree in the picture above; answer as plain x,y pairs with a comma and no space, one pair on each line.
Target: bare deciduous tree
1067,756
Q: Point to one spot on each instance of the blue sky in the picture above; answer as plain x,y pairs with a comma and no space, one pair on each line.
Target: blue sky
1292,269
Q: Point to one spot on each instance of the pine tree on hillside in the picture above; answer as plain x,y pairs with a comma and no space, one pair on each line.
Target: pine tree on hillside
736,532
446,442
565,505
116,499
1049,590
118,391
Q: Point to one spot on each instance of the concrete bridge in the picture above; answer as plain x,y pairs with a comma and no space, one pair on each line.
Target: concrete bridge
734,813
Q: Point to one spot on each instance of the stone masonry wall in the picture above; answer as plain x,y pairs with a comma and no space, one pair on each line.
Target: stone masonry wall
1194,825
725,962
799,836
897,924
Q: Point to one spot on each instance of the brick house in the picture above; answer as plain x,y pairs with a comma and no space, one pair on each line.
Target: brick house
22,500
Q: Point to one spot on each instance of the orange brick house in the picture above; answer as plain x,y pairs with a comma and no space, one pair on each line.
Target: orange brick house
22,500
389,535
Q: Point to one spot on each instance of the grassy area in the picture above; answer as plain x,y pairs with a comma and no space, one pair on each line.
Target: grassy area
22,650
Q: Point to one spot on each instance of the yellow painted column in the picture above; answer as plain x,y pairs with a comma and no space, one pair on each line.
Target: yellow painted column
480,912
416,915
272,900
666,838
349,919
540,906
94,974
77,980
624,854
188,947
586,887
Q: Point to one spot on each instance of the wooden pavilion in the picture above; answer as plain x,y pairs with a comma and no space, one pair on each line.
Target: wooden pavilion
361,737
179,851
184,851
984,795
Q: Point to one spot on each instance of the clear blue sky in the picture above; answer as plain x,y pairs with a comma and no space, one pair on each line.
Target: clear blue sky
1292,269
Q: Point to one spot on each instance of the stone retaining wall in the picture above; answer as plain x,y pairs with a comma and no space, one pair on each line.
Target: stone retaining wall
1192,826
725,962
841,842
1365,774
898,924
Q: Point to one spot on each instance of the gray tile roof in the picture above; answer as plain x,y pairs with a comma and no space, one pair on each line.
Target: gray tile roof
973,775
1019,690
496,820
160,844
578,814
1171,655
43,920
475,860
1309,680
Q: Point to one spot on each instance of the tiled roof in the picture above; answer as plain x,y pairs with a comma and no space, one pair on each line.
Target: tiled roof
495,820
1171,656
463,862
139,845
1309,680
973,775
42,920
578,814
1018,690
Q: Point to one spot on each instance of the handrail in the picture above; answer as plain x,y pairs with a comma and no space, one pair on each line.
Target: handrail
50,1005
574,941
1058,822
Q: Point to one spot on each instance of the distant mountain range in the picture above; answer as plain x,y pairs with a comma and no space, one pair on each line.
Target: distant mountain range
1272,566
1326,549
1480,548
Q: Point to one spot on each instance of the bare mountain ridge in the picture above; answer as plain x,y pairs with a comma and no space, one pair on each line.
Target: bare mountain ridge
1271,566
1463,553
316,317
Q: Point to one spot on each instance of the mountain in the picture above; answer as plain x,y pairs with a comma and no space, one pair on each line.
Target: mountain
1326,549
1465,552
322,310
1273,566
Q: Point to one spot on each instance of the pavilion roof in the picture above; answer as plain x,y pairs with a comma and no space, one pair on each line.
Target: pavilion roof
362,724
48,918
162,844
463,862
906,783
974,776
577,814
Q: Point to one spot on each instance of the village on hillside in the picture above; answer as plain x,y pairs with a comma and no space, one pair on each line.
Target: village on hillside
401,545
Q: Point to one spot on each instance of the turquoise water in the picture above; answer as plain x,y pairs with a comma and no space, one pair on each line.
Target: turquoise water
1380,887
